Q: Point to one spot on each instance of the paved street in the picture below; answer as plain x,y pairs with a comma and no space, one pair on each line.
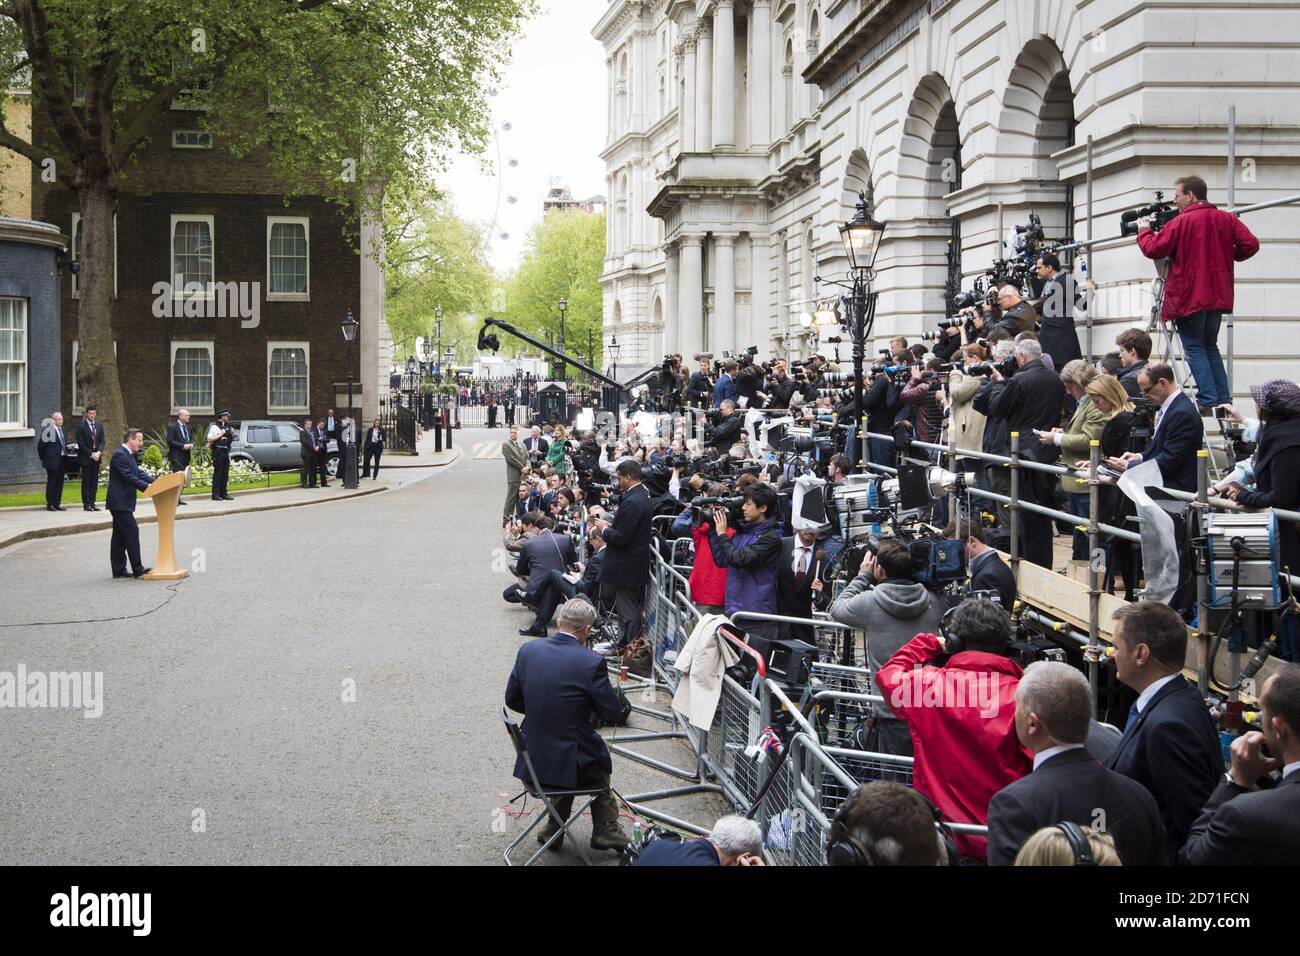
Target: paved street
224,697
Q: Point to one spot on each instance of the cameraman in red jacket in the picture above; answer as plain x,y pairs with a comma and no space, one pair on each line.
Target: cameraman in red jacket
962,714
1203,242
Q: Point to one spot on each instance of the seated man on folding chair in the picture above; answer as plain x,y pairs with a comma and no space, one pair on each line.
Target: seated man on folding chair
557,684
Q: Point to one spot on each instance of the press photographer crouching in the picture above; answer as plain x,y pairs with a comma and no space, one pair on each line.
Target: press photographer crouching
890,607
724,427
563,585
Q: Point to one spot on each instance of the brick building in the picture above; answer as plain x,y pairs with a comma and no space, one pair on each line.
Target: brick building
280,271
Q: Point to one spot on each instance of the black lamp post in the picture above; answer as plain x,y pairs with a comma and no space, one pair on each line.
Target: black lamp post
559,345
437,317
349,450
861,237
618,392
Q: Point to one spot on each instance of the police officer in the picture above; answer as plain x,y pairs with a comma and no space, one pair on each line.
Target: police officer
219,439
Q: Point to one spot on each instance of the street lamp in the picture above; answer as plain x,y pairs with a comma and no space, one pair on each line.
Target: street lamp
613,354
349,451
861,237
437,316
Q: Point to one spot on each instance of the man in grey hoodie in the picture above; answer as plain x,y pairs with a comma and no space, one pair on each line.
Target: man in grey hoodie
890,613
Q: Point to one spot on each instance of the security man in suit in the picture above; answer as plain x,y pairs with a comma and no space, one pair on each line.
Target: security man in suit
322,452
373,448
1178,434
536,446
331,425
180,443
220,436
1060,298
49,448
984,567
1170,744
1053,711
626,571
124,479
307,453
90,453
1242,824
558,684
794,583
516,457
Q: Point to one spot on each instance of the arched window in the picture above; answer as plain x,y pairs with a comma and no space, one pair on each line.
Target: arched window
622,92
787,83
663,95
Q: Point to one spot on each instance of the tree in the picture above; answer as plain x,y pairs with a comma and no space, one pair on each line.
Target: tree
365,101
563,259
436,259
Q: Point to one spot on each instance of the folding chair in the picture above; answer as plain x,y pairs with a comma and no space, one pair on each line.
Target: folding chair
533,787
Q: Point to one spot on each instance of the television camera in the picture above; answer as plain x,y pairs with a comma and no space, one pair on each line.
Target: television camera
1161,213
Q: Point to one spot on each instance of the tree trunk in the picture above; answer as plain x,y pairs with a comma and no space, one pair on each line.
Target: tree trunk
97,376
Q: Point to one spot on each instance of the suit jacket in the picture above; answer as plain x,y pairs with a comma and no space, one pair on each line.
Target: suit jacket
124,479
539,445
627,541
1174,443
543,554
795,601
557,684
516,457
307,438
1056,333
991,574
332,428
383,437
723,390
51,452
1073,786
89,439
1172,749
177,454
589,583
322,440
1247,827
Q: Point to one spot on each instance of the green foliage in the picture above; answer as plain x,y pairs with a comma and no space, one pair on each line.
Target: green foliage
563,260
153,460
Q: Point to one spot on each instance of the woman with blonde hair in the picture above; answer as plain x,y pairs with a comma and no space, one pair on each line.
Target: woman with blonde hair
556,454
1085,426
1051,846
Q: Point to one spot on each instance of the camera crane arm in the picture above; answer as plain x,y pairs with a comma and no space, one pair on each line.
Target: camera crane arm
489,341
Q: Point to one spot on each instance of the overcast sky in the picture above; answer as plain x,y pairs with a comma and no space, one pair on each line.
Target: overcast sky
553,98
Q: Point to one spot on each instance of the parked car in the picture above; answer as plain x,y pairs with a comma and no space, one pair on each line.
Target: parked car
275,446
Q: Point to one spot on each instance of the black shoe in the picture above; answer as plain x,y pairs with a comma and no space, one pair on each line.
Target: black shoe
93,508
182,502
532,632
123,576
141,573
57,508
227,497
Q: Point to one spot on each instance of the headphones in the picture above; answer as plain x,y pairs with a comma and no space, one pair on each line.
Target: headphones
843,849
953,643
1078,843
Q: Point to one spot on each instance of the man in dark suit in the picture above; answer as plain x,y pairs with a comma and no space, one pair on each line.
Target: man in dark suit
626,570
180,443
1060,298
322,451
49,448
1178,435
557,684
124,479
90,453
1241,824
543,554
556,588
331,425
374,448
984,566
794,578
1053,715
307,439
536,446
1170,744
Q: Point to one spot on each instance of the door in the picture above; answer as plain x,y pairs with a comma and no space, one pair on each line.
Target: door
263,450
288,445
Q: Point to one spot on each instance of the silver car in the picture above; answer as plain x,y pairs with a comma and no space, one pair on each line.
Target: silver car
275,446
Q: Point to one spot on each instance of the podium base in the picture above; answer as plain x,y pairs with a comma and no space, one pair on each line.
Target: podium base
167,575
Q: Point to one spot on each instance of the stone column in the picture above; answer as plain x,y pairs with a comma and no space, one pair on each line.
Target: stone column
723,327
688,101
704,89
690,315
672,300
760,74
724,108
760,308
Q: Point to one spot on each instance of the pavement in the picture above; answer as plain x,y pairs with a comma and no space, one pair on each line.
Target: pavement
323,688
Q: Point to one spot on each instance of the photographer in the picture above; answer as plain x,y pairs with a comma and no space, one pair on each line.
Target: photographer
699,388
1057,334
541,555
997,436
890,607
1032,400
749,386
751,557
1017,314
1134,351
558,586
967,749
883,406
626,569
780,388
1074,440
963,419
1202,242
725,427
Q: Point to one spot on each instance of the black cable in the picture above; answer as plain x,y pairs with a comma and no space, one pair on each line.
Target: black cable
103,620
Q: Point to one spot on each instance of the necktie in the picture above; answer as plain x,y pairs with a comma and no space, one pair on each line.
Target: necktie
803,567
1132,719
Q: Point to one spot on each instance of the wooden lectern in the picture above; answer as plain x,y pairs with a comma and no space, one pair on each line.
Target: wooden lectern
166,492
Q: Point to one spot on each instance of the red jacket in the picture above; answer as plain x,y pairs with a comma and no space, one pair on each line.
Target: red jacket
1204,242
963,722
708,581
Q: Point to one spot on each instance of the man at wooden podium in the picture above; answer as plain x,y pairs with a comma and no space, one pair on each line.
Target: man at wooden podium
124,479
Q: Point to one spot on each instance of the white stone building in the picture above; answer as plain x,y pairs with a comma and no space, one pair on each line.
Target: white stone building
740,132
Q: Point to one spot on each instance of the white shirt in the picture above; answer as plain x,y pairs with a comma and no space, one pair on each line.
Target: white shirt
1160,414
1290,769
1144,698
800,549
1050,752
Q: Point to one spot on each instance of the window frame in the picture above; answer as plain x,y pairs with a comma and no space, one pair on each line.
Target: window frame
175,344
24,383
305,222
178,290
302,409
196,132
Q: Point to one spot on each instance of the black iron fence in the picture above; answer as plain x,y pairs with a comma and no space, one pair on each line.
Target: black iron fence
399,423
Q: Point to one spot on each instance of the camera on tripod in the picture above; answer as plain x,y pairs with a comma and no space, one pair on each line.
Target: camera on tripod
1161,213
